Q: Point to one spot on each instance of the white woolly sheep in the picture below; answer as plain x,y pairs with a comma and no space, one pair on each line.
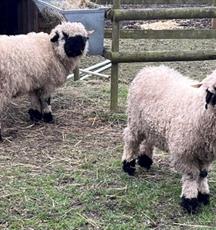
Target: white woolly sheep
175,114
37,63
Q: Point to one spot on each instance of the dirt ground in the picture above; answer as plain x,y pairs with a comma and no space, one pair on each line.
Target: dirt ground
75,112
37,144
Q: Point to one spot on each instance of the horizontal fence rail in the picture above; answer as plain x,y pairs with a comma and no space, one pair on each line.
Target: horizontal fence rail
164,34
152,2
116,14
166,13
161,56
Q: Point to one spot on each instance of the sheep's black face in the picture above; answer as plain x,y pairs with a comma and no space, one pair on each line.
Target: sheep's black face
74,46
71,46
210,98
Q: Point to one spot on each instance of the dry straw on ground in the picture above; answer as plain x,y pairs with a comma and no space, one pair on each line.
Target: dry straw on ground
70,4
161,25
50,17
78,122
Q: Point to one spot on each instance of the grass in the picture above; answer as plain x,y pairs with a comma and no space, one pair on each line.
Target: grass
95,195
81,184
68,175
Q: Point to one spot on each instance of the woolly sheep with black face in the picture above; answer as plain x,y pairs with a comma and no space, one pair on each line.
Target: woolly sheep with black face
37,63
70,42
177,115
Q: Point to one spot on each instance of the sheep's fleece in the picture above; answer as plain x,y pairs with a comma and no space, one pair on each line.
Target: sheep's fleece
37,63
177,115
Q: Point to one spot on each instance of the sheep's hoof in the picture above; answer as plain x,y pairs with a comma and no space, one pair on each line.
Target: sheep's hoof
203,198
35,115
190,205
48,117
203,173
129,167
145,161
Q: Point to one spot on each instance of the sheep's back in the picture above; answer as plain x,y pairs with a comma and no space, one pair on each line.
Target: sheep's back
28,61
160,100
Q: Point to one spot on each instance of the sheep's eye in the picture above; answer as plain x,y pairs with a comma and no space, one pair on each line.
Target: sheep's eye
214,88
85,38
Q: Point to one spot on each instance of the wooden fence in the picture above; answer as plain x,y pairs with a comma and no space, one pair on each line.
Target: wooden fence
117,15
152,2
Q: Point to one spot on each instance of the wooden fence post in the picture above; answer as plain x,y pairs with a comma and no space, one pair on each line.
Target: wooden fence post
213,22
76,74
115,66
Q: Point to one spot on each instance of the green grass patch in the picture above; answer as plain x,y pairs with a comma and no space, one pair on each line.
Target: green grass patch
68,175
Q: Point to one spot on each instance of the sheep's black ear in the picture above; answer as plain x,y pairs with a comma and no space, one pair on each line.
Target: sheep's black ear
208,98
213,100
65,35
49,100
55,37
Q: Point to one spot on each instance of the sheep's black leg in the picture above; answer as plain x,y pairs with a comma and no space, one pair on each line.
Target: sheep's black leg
47,116
189,200
144,161
203,195
46,107
35,111
145,155
35,115
131,148
190,205
204,198
129,167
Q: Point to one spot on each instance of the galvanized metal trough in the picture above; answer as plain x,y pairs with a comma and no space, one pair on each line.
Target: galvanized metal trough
93,19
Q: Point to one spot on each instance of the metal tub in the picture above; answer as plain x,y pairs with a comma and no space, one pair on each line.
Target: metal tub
93,19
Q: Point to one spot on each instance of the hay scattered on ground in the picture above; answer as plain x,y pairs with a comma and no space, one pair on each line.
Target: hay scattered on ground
78,122
161,25
70,4
49,18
